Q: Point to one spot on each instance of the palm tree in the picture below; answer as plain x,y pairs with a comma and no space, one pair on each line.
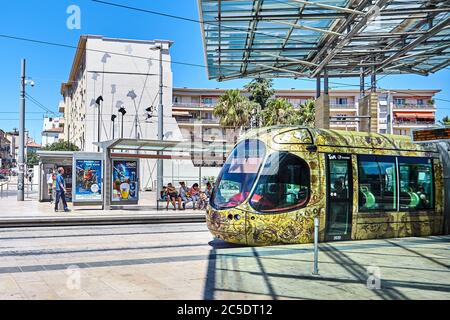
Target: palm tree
278,112
233,110
307,113
260,90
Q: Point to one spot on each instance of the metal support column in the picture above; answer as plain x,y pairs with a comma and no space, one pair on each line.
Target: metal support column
160,164
444,150
373,79
21,160
318,86
325,81
316,247
107,180
361,83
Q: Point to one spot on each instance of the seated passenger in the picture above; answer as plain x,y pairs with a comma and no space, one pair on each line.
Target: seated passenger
184,194
195,195
173,197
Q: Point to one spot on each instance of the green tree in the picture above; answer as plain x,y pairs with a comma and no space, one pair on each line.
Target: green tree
233,110
61,146
306,114
32,159
445,121
278,112
260,90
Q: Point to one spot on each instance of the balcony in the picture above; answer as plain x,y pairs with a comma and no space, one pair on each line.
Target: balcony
342,106
195,105
414,106
183,120
415,123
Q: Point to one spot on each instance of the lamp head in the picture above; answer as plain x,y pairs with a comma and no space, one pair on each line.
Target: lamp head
113,117
100,98
122,111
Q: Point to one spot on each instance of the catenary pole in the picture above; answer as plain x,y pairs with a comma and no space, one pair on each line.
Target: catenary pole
20,181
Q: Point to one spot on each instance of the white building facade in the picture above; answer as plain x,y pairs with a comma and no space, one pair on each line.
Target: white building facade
125,73
52,130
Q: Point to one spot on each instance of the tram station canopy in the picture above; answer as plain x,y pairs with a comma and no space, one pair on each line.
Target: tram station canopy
140,147
299,38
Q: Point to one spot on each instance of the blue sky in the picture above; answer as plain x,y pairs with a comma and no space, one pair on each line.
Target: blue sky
50,65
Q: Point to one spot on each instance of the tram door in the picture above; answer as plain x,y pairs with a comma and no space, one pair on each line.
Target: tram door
339,197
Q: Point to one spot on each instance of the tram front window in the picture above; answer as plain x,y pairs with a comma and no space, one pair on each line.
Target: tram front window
238,174
283,184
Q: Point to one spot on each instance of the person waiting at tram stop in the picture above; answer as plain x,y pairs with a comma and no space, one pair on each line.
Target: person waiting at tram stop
184,194
61,190
205,195
172,196
195,196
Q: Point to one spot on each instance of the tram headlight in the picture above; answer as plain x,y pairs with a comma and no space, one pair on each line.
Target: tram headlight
237,217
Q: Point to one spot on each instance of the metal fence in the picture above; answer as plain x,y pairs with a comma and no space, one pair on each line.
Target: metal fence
9,189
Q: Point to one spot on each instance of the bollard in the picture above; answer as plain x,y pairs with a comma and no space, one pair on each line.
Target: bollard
316,246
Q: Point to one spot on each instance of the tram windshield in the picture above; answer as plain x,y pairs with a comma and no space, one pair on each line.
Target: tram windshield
238,174
283,185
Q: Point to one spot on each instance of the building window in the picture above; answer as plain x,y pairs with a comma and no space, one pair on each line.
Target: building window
377,183
284,184
416,183
420,102
207,100
399,101
341,101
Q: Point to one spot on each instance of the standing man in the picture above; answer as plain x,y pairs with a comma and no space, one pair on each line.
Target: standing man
61,190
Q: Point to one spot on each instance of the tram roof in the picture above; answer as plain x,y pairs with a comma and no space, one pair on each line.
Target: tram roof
299,38
337,138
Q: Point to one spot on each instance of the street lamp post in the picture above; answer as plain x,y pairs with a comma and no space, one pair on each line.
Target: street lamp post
98,103
21,165
160,164
123,112
21,155
113,118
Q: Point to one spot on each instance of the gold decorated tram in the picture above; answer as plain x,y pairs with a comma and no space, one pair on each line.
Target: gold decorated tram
360,185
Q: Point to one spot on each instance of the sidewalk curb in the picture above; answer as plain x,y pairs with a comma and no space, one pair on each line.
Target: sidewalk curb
111,220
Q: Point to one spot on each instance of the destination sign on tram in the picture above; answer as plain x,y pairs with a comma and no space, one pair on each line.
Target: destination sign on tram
431,135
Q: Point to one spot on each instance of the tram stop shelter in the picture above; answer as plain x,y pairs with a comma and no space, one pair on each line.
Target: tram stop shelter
322,39
49,161
135,149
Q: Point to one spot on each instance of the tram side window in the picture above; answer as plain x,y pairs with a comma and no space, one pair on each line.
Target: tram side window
284,184
416,183
377,183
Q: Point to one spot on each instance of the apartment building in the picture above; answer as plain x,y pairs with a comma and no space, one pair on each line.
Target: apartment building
121,74
407,108
193,110
5,151
52,131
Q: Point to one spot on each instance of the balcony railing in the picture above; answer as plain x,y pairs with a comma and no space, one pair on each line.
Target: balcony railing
195,120
414,106
342,106
193,104
413,122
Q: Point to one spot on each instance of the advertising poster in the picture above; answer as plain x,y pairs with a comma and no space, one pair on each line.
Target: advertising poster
125,185
88,175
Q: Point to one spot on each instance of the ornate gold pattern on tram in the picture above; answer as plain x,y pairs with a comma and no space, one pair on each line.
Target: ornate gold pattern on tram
255,228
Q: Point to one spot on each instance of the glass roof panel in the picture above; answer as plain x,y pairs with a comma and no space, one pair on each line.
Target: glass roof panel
295,38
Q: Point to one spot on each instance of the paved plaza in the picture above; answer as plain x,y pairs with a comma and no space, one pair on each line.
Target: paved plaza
32,212
182,261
